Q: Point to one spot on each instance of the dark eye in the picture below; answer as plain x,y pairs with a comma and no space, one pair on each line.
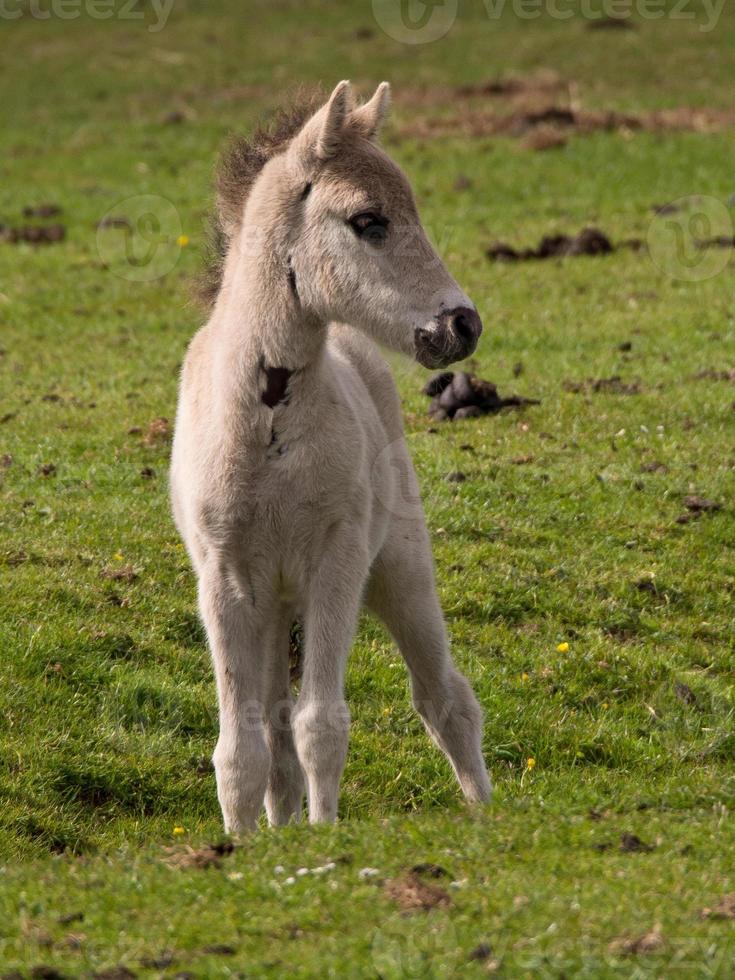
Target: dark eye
371,228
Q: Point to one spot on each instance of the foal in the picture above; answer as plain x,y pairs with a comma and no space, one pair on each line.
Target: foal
291,482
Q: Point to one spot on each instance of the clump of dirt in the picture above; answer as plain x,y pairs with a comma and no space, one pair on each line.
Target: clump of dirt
113,221
159,431
461,396
541,83
33,234
686,695
650,942
590,241
41,210
430,870
611,24
160,962
613,385
201,857
719,241
695,507
412,894
654,466
632,844
70,917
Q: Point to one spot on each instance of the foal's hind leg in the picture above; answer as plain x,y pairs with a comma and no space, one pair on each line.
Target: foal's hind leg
235,630
402,593
285,789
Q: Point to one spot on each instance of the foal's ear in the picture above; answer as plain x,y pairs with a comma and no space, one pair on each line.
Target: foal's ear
369,118
321,135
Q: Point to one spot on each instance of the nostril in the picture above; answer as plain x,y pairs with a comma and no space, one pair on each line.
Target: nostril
462,327
466,326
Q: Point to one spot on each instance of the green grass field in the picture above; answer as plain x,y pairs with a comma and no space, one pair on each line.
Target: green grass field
596,629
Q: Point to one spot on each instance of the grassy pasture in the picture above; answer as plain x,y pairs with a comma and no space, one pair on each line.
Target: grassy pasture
564,531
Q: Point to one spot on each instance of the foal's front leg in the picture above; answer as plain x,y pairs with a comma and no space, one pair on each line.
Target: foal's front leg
321,717
242,756
402,593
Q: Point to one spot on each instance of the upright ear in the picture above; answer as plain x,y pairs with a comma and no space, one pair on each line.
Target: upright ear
320,137
369,118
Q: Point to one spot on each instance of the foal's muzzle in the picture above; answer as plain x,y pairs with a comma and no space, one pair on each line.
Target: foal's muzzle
453,337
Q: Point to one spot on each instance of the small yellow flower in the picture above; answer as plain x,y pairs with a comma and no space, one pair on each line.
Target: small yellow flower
530,763
182,241
118,556
386,711
524,677
179,830
605,705
562,648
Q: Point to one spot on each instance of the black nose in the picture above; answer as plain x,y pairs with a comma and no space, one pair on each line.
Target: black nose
463,327
452,337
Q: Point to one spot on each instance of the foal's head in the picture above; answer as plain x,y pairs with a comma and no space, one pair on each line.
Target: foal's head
340,218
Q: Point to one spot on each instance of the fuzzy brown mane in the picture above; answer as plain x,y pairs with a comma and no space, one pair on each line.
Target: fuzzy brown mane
241,161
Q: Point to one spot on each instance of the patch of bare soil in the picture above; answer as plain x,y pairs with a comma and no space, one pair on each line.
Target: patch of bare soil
650,942
713,374
126,573
516,106
460,396
725,908
544,138
590,241
412,894
200,857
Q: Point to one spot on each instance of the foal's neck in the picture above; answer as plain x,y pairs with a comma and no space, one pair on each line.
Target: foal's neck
266,342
